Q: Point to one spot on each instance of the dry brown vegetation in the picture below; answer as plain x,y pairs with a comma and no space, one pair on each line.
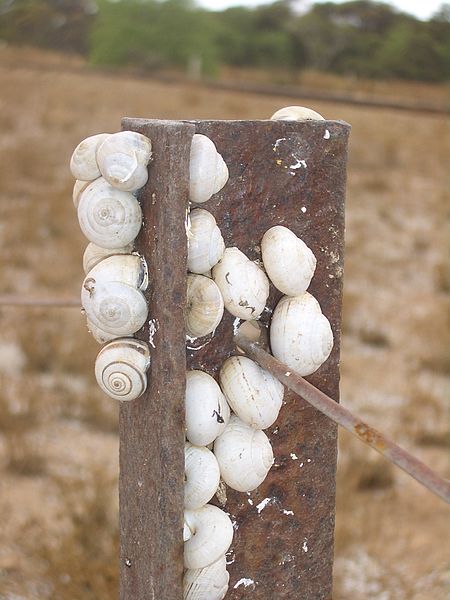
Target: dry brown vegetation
58,441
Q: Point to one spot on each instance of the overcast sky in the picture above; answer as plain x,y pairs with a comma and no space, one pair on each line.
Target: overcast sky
423,9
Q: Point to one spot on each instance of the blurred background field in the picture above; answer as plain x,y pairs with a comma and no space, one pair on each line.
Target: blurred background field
58,433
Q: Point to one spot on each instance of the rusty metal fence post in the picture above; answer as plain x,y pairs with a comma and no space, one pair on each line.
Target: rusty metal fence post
281,173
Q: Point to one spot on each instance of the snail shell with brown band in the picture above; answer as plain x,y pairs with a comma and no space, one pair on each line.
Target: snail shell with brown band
121,368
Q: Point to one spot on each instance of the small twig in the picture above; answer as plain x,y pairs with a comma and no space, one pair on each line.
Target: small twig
39,302
342,416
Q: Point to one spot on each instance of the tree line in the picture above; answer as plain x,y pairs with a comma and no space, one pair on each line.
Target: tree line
359,38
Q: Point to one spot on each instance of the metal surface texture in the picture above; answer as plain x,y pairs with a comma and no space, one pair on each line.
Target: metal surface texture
281,173
152,427
342,416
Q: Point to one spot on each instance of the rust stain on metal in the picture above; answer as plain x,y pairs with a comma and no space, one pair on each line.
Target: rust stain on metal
281,173
151,485
370,436
292,174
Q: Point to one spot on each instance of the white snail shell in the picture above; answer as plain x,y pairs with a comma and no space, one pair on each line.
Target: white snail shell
204,304
209,583
98,334
288,261
207,411
207,170
300,335
123,158
253,393
296,113
244,285
95,254
108,217
244,455
114,307
205,242
201,476
212,536
83,163
124,268
78,187
121,368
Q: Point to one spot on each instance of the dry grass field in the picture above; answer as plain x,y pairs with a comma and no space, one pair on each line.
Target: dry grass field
58,433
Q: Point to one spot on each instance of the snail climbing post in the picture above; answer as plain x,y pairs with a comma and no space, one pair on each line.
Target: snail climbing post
280,173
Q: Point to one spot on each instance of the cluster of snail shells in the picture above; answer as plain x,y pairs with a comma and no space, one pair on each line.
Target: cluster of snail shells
109,169
225,423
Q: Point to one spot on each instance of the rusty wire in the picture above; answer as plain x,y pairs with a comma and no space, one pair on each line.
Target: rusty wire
342,416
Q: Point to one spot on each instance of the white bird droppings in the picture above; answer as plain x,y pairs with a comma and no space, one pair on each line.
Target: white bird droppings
300,162
288,512
262,505
294,456
277,143
153,326
245,581
236,324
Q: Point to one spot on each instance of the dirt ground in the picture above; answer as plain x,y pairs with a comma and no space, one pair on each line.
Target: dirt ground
58,433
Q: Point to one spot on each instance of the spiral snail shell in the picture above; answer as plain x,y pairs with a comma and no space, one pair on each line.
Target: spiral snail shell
205,242
207,170
78,187
123,158
244,455
95,254
108,217
209,583
121,368
111,295
288,261
204,305
296,113
202,476
253,393
98,334
207,411
83,163
244,285
126,268
300,335
212,536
